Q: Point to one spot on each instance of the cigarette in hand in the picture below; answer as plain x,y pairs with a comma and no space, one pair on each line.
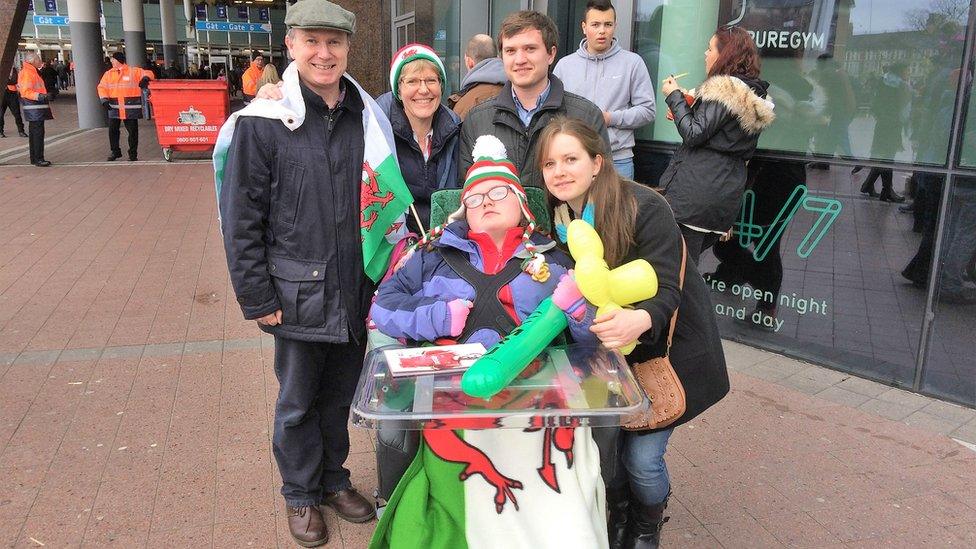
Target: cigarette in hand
677,76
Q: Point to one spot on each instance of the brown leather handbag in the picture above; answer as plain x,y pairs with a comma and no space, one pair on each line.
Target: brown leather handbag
659,380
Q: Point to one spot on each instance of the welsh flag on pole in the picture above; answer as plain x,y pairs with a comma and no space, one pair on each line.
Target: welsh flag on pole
384,196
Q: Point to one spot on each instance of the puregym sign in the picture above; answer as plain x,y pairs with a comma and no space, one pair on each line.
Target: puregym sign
783,27
787,40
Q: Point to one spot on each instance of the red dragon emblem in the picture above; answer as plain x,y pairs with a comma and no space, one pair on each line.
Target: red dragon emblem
449,446
394,228
369,196
409,53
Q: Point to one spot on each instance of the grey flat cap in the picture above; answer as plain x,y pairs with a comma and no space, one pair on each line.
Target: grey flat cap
319,14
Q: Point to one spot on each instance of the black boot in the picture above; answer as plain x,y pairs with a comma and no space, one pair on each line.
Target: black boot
888,195
868,189
645,524
618,504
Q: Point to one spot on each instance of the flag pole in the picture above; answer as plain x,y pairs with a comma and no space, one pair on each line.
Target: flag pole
416,217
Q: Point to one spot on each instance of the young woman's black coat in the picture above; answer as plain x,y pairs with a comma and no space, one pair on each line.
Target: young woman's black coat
696,352
719,132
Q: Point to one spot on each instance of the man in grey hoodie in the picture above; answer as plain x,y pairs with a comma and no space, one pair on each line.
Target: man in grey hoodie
615,79
485,78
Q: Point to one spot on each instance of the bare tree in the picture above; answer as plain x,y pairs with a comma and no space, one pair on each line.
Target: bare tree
949,11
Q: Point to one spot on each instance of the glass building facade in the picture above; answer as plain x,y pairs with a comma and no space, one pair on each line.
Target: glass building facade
54,40
868,93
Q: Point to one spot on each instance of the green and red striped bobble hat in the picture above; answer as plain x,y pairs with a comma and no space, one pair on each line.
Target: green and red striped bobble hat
491,163
413,52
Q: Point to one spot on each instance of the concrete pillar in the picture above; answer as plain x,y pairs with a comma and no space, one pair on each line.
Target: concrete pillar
191,31
134,31
167,19
86,50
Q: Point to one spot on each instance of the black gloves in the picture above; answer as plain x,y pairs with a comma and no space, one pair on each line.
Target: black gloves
144,83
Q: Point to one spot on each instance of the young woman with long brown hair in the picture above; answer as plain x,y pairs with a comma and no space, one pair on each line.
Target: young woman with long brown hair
636,223
719,132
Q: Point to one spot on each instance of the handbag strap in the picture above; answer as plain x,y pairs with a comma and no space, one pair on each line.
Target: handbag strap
681,286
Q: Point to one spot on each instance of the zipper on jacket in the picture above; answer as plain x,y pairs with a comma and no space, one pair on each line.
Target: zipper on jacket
330,122
528,149
416,147
522,130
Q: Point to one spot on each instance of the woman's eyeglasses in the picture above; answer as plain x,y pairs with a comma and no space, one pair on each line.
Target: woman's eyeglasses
472,201
414,83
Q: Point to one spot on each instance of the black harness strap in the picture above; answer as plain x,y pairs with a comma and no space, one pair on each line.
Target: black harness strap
488,311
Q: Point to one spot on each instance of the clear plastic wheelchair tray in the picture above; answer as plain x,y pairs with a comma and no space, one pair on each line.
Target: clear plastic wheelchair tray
572,385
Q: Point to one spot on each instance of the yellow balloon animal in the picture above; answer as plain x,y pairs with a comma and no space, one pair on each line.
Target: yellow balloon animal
608,289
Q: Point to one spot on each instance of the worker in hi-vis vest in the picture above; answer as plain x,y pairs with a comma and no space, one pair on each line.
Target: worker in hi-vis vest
120,91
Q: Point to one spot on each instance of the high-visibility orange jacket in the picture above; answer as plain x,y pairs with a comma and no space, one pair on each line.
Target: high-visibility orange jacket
250,79
120,87
31,87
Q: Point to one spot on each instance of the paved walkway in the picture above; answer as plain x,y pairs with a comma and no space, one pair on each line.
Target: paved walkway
136,405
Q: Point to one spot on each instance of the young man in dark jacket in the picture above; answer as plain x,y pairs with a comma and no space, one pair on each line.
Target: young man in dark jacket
530,99
290,216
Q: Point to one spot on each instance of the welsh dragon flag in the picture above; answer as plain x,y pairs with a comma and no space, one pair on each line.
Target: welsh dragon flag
483,487
384,196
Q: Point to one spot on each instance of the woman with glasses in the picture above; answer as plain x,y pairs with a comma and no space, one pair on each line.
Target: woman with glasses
425,132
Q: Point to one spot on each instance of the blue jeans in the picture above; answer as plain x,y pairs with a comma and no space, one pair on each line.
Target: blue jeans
625,167
643,457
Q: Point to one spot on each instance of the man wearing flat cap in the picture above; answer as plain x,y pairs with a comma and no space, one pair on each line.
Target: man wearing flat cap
289,175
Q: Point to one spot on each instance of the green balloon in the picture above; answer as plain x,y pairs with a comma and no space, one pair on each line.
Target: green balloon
505,361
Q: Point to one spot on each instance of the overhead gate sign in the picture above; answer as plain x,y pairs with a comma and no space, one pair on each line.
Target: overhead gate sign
226,26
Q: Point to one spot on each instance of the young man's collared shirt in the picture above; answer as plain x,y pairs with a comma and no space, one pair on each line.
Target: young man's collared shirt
525,115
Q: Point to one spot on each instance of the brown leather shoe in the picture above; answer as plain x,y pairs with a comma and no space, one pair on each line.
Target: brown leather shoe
307,526
350,505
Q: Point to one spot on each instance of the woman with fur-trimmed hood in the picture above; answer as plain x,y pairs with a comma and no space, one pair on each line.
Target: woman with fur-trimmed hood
719,124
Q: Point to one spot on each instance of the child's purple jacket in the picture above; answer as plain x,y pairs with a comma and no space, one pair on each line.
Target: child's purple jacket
412,304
